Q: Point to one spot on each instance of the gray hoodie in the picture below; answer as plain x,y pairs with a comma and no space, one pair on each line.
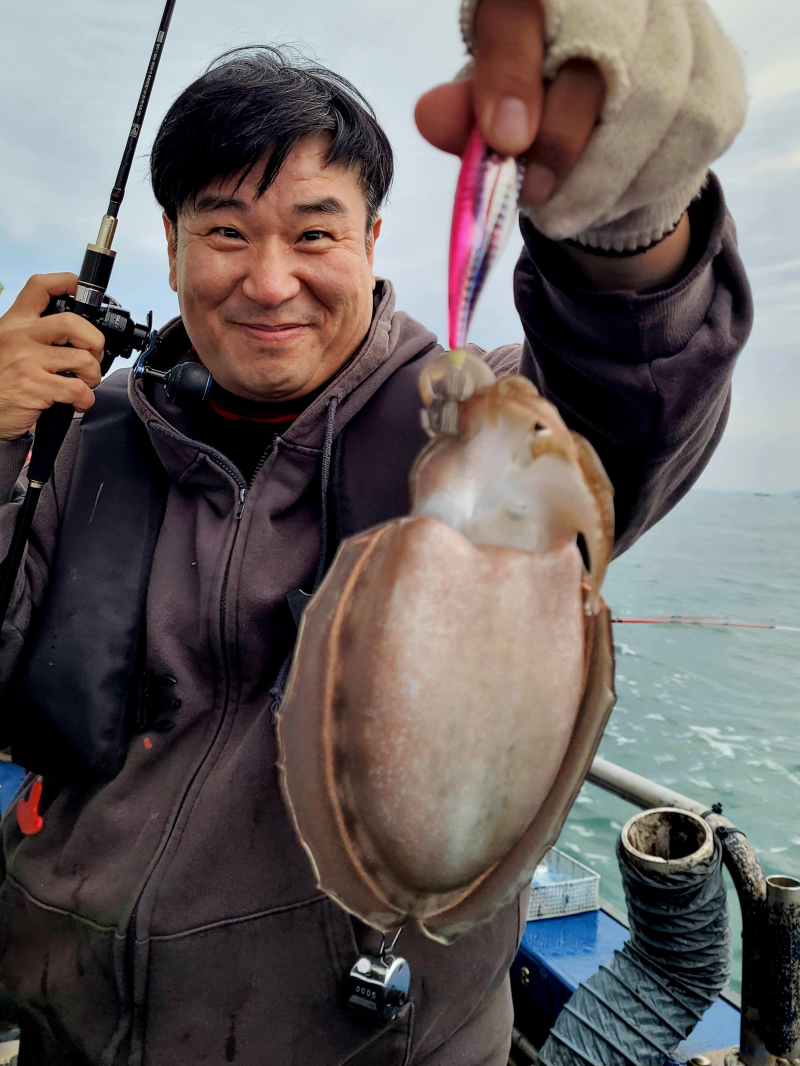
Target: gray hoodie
170,916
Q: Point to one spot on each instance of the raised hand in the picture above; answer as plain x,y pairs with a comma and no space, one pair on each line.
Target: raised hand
517,111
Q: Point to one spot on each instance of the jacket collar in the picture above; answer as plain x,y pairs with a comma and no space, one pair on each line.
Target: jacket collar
392,340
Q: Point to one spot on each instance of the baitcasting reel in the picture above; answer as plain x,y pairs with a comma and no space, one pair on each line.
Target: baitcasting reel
122,335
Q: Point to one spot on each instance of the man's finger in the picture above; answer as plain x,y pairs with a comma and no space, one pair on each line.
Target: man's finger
572,106
70,390
35,294
508,90
444,116
77,361
68,328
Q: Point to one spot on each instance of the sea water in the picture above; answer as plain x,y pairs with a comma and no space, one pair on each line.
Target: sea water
544,874
713,712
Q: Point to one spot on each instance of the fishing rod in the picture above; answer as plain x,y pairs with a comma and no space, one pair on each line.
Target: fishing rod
705,620
122,334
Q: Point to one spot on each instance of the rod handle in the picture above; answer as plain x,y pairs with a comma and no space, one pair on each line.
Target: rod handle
51,429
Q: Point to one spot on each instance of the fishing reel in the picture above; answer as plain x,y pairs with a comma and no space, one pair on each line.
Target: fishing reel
122,335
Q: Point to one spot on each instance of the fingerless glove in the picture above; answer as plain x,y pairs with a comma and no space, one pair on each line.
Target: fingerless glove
675,100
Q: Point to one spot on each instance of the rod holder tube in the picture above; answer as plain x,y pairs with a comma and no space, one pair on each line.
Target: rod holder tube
667,841
748,879
781,976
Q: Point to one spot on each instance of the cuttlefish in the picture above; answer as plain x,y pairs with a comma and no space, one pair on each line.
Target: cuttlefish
454,672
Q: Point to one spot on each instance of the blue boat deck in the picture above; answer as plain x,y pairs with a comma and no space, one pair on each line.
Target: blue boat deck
11,777
560,953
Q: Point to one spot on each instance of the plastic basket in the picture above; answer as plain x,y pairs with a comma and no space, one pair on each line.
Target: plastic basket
574,888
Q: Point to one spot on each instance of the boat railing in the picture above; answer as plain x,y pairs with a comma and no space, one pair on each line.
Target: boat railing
638,790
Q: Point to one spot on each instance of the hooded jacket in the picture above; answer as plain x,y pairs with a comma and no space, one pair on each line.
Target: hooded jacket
169,915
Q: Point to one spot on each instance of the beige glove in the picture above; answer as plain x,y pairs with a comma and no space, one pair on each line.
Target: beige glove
675,100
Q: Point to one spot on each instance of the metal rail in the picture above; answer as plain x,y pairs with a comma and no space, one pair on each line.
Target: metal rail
638,790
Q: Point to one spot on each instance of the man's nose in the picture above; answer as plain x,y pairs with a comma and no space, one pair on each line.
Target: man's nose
271,279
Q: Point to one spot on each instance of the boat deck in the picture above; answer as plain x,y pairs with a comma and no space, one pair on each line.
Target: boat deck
11,777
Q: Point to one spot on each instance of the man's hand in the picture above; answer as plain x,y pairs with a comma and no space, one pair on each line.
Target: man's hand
518,114
32,352
548,124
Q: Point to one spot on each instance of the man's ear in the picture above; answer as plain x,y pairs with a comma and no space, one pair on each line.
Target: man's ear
376,232
171,231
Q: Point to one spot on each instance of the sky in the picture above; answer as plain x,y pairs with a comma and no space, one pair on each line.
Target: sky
70,73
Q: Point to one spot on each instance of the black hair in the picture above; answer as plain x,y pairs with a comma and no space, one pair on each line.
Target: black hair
257,102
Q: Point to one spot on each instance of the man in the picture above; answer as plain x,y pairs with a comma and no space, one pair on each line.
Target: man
164,912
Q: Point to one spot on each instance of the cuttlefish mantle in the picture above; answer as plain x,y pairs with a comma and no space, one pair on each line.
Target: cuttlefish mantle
454,672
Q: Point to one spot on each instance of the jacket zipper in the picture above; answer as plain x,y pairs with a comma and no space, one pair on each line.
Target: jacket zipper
263,459
222,461
223,604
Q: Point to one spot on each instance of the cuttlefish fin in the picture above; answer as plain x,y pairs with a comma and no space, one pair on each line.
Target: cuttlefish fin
600,537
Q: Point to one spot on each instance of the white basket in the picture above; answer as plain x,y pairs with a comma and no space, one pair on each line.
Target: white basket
578,891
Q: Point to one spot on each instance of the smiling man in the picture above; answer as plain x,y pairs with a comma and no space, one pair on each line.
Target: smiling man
275,286
164,911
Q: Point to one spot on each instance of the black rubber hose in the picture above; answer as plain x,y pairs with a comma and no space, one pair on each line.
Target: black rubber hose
636,1009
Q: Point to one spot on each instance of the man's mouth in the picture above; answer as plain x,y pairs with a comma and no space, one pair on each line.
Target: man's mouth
280,332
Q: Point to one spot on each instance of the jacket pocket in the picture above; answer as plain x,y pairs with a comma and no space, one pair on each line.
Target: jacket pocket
388,1044
389,1047
59,970
263,990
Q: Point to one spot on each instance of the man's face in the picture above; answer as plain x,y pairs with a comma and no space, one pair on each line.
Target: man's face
276,292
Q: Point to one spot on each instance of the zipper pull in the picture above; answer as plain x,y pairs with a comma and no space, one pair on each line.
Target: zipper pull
240,505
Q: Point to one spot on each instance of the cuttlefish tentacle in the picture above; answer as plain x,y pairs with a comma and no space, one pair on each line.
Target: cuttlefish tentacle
447,379
454,672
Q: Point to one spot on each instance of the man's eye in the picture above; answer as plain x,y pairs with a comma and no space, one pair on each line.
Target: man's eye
315,235
228,232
